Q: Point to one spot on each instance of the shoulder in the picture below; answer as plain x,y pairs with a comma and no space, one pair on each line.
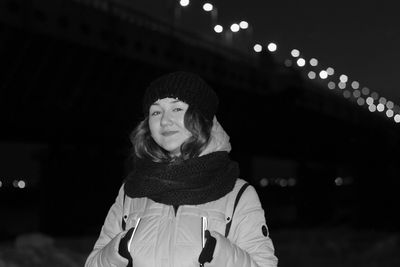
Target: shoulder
249,197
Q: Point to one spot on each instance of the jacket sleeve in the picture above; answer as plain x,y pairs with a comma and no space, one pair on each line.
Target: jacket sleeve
105,251
249,244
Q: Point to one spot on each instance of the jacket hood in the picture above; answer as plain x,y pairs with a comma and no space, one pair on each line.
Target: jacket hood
219,140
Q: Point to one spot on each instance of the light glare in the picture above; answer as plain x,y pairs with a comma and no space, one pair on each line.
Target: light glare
313,62
355,85
389,113
272,47
312,75
342,85
323,74
360,101
235,27
184,2
390,104
301,62
343,78
397,118
207,7
295,53
346,94
356,93
257,48
244,25
365,91
218,28
372,108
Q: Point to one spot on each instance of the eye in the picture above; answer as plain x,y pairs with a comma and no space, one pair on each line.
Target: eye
177,109
155,113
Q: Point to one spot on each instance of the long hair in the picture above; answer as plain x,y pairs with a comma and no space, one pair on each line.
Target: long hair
144,145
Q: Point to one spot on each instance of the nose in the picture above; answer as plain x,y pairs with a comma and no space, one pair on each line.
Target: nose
166,119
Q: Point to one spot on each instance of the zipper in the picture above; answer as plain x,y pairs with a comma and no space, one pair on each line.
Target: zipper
173,237
133,234
204,227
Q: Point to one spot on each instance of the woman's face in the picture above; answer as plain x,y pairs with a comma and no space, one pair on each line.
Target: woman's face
166,123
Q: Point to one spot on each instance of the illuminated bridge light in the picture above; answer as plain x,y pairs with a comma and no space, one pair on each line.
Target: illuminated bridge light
330,71
272,47
301,62
264,182
218,28
339,181
323,74
288,63
397,118
243,25
346,94
257,48
382,100
342,85
360,101
356,93
184,2
208,7
355,85
235,27
343,78
370,101
380,107
365,91
331,85
313,62
21,184
390,104
389,113
372,108
375,95
295,53
312,75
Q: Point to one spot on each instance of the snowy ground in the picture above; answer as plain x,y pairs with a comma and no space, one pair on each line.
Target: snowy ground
297,248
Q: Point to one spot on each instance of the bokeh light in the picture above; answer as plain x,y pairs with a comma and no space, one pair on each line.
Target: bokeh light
301,62
313,62
207,7
257,48
243,25
272,47
218,28
235,27
312,75
295,53
184,2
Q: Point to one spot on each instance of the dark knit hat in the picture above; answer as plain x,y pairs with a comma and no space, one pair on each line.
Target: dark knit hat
187,87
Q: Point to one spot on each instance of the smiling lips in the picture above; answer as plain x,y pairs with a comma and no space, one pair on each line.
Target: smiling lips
168,133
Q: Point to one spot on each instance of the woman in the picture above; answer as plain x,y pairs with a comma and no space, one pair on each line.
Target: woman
183,204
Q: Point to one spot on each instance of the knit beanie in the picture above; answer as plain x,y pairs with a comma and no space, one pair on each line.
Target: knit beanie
187,87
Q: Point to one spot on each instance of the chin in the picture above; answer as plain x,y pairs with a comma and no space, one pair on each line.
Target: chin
172,149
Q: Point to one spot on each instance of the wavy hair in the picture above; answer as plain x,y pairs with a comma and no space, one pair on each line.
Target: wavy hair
144,145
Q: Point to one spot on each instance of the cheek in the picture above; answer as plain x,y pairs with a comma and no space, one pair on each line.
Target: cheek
153,127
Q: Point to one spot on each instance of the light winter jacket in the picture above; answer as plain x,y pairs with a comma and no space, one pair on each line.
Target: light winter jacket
165,239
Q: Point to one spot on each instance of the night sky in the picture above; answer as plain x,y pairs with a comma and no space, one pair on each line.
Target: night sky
357,38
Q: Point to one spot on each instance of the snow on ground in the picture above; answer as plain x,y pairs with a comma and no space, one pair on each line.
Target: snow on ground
301,247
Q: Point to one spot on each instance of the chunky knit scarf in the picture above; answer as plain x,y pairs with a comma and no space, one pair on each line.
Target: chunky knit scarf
190,182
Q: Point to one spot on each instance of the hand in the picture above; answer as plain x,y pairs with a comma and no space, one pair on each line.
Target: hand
123,246
207,253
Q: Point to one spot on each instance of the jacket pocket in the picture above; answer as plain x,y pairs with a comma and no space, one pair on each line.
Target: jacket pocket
217,221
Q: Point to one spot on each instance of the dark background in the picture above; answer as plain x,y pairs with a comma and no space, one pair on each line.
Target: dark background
71,80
